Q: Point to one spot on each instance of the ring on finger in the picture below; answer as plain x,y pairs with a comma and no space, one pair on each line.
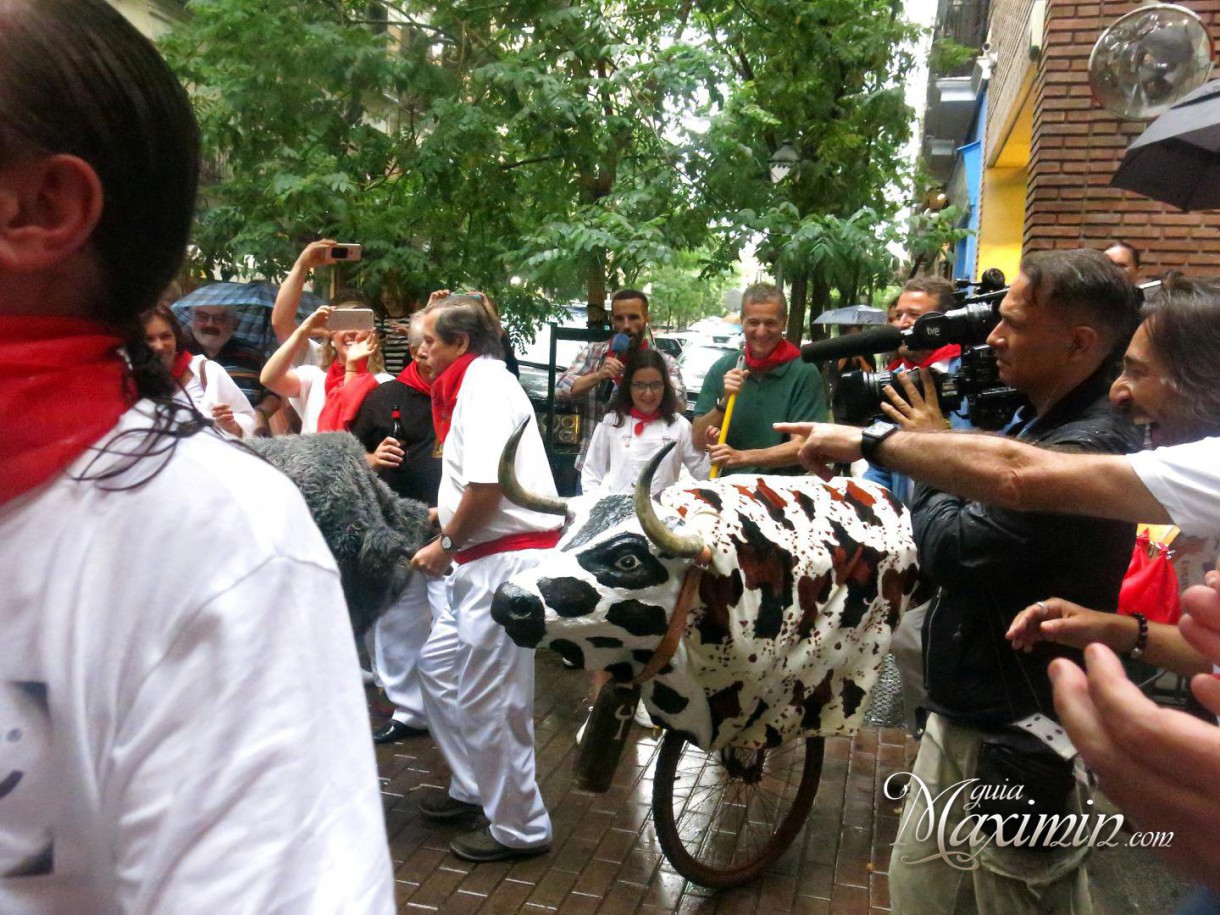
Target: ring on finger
1042,604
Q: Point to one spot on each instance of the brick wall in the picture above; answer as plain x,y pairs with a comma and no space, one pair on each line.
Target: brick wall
1078,145
1008,34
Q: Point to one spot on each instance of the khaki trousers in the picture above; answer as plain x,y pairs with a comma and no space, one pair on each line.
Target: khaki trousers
1004,880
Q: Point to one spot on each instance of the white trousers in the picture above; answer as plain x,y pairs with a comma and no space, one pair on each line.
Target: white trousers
479,697
397,638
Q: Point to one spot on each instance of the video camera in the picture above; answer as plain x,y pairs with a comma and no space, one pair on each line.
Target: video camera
989,403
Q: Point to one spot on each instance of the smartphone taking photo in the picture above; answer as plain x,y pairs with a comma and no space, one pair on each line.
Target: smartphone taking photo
350,319
346,252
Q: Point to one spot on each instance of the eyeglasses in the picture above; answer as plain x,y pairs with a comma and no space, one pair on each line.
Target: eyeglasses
651,387
203,317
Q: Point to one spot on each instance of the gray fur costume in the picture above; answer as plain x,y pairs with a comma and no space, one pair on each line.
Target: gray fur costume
371,531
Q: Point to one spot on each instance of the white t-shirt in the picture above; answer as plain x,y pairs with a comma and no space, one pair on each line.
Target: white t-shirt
182,725
1185,479
312,397
220,389
617,456
489,406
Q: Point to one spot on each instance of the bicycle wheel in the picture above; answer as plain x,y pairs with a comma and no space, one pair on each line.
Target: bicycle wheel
723,817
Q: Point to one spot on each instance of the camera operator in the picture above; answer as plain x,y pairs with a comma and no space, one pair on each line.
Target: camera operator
920,295
1136,749
1059,325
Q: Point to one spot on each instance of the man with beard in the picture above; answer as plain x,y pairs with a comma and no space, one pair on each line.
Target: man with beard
211,335
599,364
775,386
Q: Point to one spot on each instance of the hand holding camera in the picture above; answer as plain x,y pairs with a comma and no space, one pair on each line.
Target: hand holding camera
920,410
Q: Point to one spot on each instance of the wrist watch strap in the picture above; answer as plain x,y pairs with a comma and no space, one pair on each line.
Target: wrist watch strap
871,437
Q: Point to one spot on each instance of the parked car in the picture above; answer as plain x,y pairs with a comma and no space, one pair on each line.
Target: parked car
668,344
694,362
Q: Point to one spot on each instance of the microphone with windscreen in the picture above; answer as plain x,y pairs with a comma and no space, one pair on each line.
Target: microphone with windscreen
879,339
619,344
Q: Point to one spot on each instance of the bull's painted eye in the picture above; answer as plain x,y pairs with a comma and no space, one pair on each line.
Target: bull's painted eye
627,563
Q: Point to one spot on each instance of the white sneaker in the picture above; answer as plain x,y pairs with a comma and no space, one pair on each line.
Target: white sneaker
641,717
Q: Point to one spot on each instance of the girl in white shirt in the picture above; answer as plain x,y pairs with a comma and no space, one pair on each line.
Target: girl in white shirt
641,418
201,383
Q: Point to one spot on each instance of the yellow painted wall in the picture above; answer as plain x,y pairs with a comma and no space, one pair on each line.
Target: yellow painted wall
1002,220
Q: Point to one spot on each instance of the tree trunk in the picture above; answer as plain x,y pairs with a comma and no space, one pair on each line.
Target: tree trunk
819,293
796,307
595,278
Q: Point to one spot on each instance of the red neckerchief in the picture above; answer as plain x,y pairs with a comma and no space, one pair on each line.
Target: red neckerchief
950,351
411,377
343,400
182,362
63,385
785,352
644,419
445,387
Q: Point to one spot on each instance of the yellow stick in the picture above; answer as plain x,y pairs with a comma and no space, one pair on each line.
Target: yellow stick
724,427
724,432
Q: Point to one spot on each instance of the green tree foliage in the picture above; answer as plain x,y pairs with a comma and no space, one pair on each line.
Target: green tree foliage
463,145
470,143
826,78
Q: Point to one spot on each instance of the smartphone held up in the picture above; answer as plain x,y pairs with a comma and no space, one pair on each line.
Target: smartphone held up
350,319
346,252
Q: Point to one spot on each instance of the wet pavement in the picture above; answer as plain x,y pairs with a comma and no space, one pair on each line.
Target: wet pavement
606,858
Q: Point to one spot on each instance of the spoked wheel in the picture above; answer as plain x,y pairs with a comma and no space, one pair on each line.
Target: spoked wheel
723,817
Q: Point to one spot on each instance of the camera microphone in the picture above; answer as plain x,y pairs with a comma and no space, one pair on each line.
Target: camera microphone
619,344
879,339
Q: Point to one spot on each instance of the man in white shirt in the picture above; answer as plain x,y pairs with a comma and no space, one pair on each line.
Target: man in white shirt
163,590
478,685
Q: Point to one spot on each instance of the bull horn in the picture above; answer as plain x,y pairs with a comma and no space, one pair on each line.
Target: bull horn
684,545
513,490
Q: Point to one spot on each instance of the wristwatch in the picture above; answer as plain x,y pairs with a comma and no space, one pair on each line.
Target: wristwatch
871,437
447,543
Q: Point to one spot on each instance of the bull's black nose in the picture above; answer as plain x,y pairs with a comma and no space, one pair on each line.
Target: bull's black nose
521,614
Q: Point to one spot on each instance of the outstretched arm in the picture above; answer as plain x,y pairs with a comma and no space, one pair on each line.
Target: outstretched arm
278,374
996,470
288,299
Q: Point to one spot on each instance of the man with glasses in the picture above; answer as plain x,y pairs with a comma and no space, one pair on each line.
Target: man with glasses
211,334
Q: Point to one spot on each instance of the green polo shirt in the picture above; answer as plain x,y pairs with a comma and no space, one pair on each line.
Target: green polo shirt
791,393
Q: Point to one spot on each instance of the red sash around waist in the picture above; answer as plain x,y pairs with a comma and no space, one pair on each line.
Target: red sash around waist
531,540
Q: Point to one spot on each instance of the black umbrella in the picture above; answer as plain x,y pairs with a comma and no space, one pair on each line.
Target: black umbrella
1177,159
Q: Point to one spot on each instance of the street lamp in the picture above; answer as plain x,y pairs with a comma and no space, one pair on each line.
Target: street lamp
783,160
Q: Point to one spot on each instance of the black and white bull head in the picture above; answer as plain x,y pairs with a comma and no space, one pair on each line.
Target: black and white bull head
791,621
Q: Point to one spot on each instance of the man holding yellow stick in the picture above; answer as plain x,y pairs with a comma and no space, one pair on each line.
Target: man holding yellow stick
774,385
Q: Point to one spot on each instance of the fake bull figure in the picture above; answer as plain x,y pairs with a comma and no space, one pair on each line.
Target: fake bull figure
777,595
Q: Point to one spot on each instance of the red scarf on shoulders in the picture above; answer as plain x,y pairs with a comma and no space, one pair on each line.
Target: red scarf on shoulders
785,352
944,353
445,388
63,385
644,419
343,400
182,362
411,377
